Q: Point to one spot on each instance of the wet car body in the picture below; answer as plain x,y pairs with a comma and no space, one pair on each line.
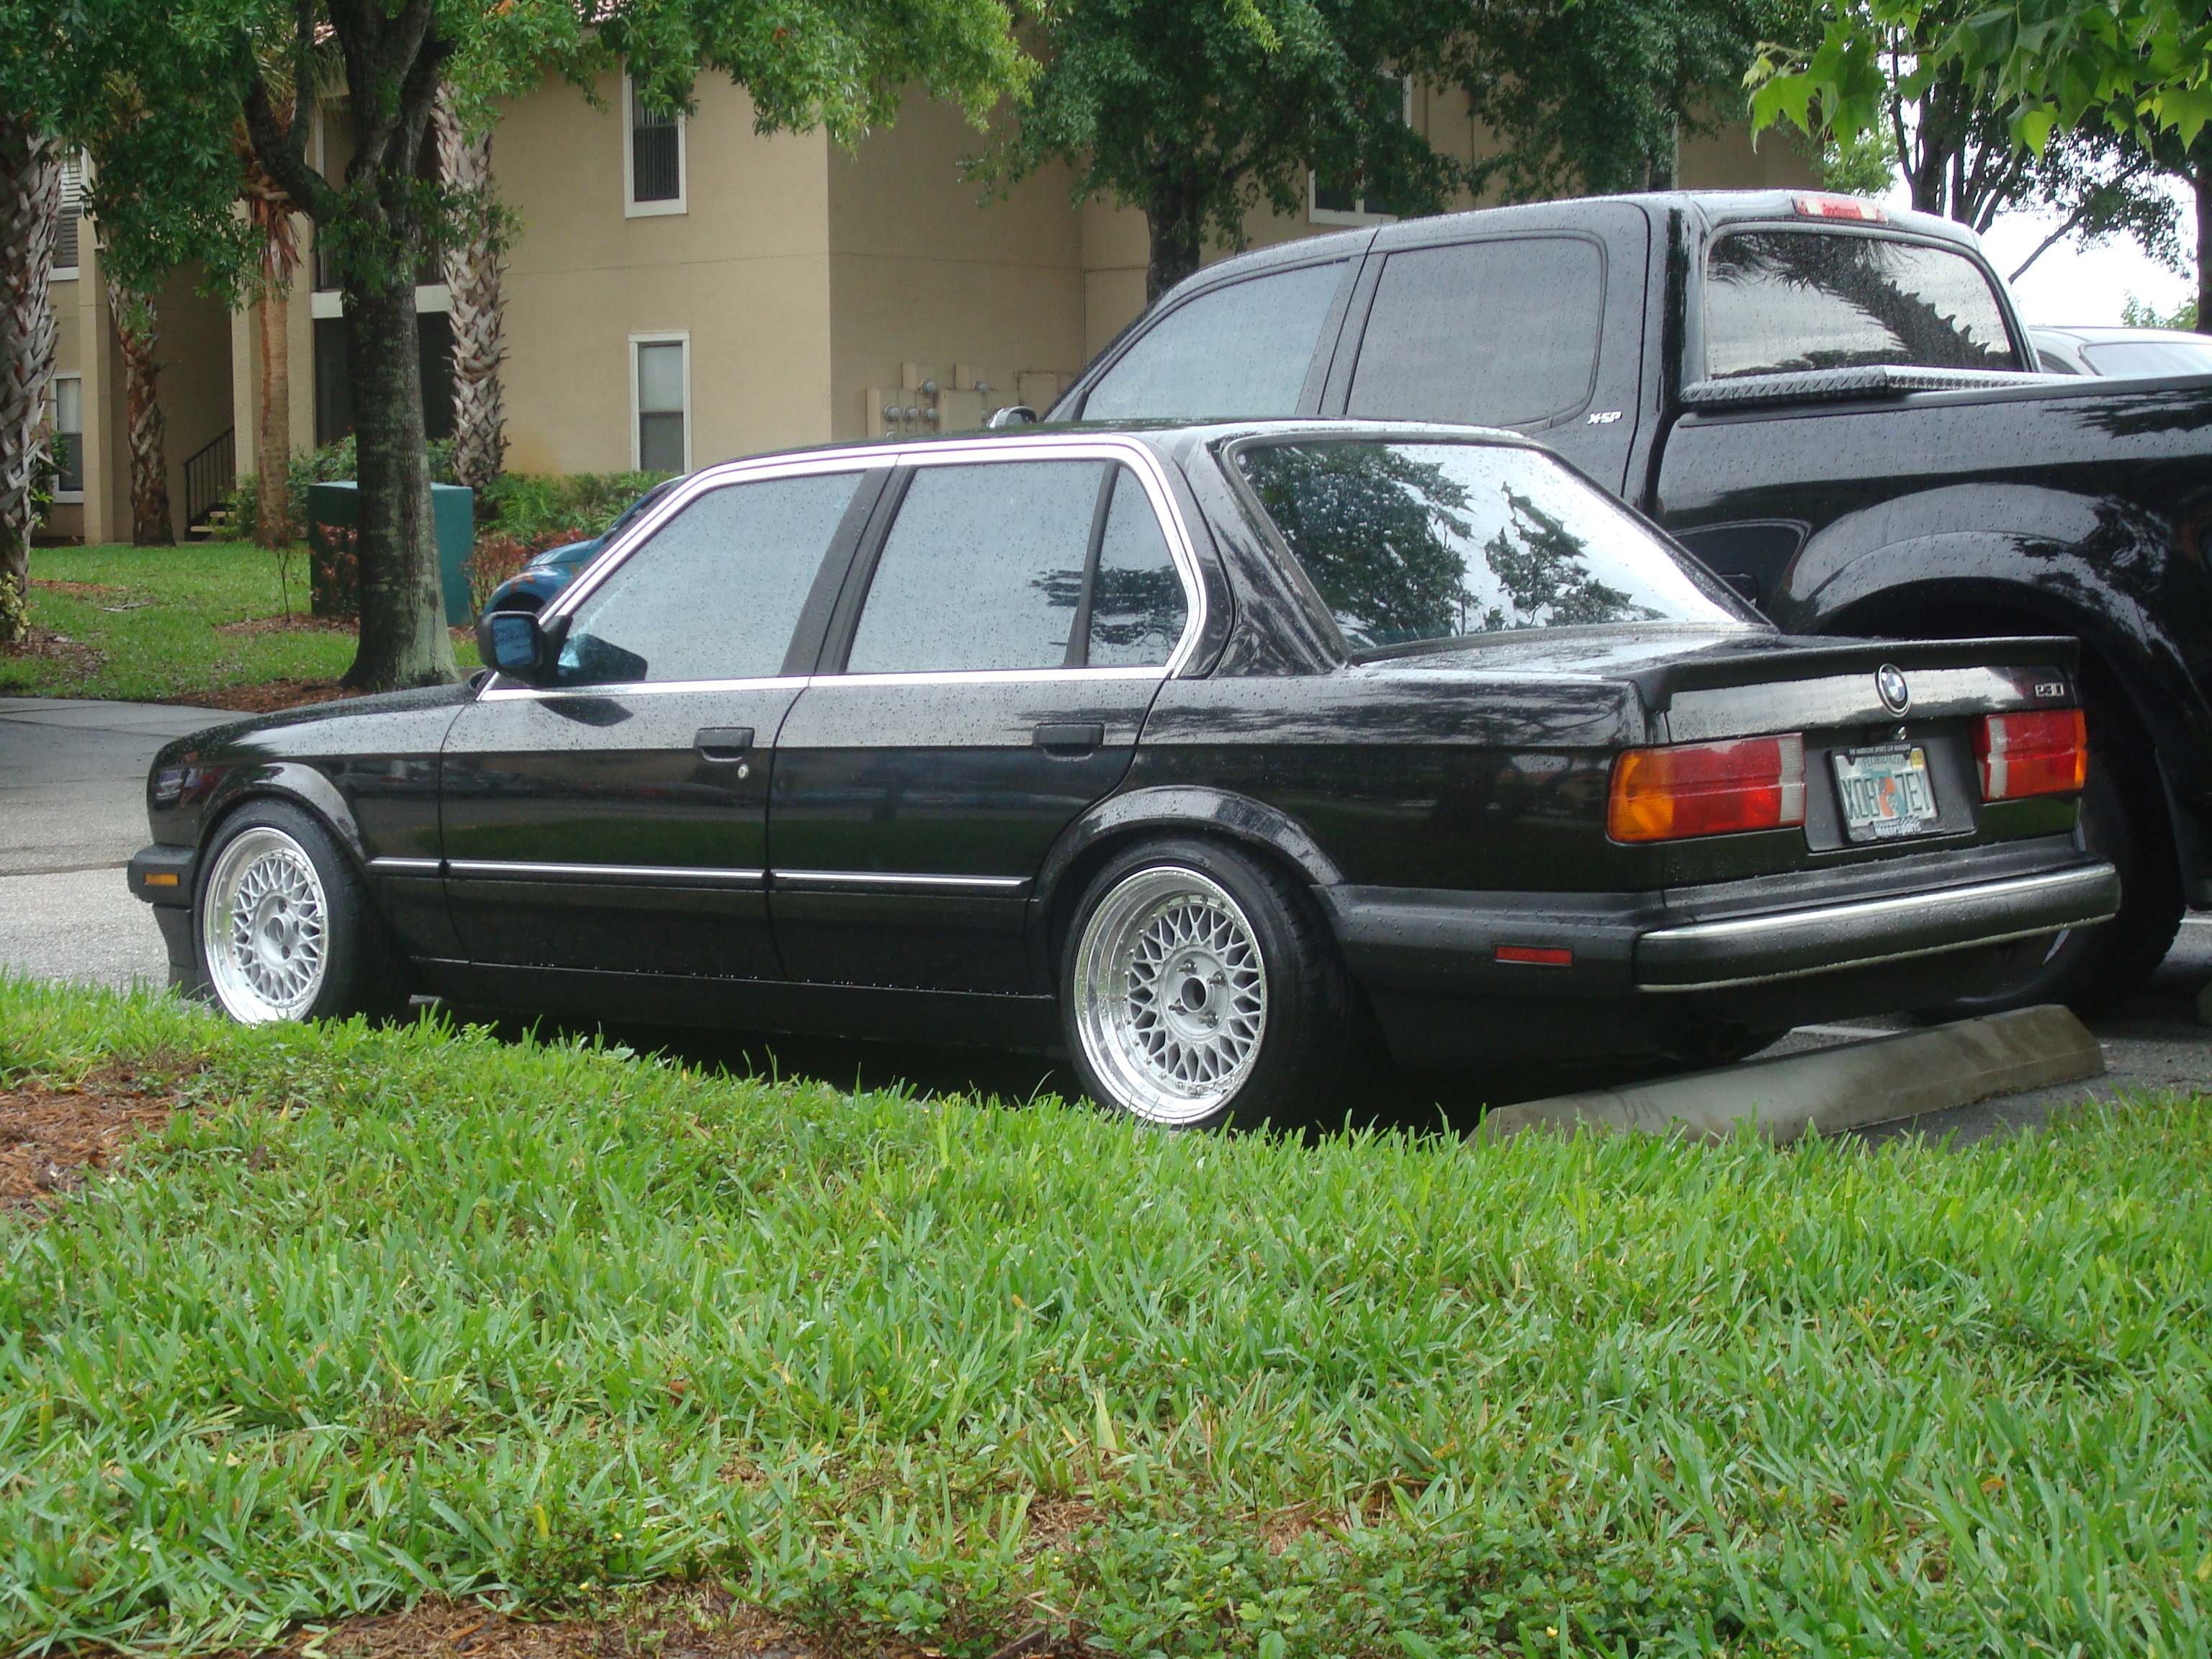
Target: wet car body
829,849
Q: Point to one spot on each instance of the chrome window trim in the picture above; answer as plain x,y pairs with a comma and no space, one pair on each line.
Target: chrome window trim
500,690
994,677
649,875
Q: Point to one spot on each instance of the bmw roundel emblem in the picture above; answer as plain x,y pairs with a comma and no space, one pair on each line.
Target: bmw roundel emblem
1889,684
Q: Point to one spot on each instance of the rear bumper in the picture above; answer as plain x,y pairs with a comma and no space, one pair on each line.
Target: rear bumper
1711,956
1870,938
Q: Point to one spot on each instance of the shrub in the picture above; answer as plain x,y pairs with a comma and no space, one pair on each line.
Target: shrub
491,561
328,464
538,510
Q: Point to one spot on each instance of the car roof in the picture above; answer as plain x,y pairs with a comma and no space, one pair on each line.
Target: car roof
1160,435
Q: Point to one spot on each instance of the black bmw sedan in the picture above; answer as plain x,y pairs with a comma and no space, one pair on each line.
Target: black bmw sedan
1197,751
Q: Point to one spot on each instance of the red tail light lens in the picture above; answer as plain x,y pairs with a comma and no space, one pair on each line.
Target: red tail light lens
2045,753
1707,789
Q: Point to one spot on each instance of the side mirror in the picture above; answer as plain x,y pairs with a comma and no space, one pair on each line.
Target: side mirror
516,643
1012,415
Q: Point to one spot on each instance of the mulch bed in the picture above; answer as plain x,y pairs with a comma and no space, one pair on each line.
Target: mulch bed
81,658
50,1134
291,622
77,590
269,696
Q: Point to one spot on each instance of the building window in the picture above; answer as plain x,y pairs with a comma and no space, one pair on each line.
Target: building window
72,219
661,382
1338,201
654,140
434,348
66,408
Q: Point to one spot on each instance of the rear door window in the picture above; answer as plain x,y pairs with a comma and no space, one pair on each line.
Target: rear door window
1236,352
1494,333
1784,301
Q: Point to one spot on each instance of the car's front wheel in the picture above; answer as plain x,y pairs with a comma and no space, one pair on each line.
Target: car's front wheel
285,927
1201,989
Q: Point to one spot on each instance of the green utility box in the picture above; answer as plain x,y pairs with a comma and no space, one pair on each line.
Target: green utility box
334,582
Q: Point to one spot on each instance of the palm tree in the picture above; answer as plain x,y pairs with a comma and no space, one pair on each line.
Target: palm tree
30,218
472,277
270,212
137,330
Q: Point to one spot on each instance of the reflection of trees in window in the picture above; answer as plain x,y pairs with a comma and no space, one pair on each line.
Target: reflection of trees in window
1538,562
1873,277
1369,523
1132,608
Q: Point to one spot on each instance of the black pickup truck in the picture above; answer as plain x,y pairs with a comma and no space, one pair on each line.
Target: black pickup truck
1827,402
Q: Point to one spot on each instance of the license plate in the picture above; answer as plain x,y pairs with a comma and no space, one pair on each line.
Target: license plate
1884,792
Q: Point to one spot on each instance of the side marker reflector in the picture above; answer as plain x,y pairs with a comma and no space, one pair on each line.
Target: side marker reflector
1537,956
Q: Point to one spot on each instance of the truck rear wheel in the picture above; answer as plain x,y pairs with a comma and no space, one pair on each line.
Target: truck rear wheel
2123,820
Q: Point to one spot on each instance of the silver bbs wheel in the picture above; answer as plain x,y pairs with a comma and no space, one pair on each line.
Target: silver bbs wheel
1171,994
264,927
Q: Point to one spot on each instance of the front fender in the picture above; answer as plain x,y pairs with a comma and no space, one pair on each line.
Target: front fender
293,780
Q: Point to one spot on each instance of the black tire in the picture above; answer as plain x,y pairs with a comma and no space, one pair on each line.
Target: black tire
311,944
1285,1070
2123,820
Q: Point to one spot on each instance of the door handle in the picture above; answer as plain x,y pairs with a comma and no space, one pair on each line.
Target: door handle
1069,737
723,743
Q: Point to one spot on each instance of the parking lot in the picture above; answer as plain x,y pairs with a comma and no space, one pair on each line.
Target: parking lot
71,813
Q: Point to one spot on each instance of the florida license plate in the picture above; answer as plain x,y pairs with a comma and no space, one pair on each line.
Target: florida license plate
1884,792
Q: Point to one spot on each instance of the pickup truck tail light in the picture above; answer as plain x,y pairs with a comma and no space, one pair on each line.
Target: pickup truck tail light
1707,789
1842,207
2045,753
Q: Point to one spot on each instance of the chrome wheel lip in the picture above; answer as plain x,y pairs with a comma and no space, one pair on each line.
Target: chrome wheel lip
1162,951
264,927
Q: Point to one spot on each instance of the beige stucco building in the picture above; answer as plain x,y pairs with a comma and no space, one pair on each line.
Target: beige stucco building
682,293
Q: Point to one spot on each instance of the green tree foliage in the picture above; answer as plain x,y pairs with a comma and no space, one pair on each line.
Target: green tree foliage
1592,97
1196,113
174,87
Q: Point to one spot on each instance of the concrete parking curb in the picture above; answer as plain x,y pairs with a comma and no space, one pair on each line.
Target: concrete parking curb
1830,1089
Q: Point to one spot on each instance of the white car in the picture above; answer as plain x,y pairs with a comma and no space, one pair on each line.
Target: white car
2132,353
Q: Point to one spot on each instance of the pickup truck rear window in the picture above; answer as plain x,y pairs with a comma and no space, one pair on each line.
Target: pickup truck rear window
1428,541
1782,302
1236,352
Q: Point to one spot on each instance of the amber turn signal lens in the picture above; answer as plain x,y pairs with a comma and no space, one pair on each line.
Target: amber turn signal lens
2045,753
1707,789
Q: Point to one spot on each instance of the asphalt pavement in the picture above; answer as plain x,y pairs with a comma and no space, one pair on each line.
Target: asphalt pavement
72,811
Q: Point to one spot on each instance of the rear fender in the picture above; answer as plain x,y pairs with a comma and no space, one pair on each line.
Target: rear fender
1165,811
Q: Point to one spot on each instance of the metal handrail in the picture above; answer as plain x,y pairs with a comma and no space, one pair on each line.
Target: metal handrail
211,473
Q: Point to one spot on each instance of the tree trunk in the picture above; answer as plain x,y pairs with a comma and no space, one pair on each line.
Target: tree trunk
137,330
404,640
2203,183
473,267
30,217
272,438
1177,229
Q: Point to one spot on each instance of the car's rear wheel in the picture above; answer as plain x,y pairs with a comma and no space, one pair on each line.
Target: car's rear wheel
285,927
1201,989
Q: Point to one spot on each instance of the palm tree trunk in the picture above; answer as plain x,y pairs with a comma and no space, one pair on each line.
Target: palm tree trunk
473,266
137,330
272,438
30,217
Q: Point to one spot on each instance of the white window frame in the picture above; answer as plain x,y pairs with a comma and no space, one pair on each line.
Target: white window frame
632,207
1317,215
68,497
667,337
72,190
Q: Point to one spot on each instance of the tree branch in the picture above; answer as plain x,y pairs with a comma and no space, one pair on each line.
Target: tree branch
307,187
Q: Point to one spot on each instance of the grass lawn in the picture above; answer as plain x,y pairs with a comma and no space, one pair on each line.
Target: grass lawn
172,625
384,1315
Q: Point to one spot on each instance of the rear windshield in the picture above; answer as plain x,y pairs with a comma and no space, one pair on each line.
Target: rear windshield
1779,301
1408,541
2147,357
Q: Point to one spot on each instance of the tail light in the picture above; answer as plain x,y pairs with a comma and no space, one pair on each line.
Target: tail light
1707,789
2043,753
1842,207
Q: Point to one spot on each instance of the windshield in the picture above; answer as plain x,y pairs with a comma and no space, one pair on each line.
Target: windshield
1408,541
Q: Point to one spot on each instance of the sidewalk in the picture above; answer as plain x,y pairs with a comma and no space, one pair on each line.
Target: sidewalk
72,812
